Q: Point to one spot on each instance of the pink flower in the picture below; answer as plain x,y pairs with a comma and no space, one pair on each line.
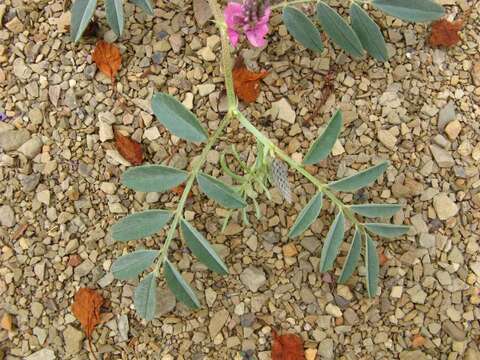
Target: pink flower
251,17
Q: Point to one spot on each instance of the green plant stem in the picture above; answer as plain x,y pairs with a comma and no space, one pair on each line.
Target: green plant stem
188,186
299,168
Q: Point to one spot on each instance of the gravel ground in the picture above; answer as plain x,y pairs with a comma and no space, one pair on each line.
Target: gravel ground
60,191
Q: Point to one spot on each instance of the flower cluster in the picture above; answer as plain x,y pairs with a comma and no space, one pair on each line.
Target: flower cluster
250,17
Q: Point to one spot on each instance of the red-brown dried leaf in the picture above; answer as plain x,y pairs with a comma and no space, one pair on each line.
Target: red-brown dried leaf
108,58
382,258
129,149
445,33
418,341
287,347
86,308
74,260
178,190
246,83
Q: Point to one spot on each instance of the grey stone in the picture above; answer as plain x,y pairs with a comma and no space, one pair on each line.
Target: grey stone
413,355
201,11
32,147
446,115
165,302
325,349
311,244
217,322
37,309
84,269
247,320
73,340
7,216
472,354
454,331
444,206
443,158
29,182
253,278
13,139
123,327
44,354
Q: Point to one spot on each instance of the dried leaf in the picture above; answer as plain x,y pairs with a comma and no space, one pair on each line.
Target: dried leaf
445,33
108,58
418,341
287,347
382,258
129,149
86,308
178,190
7,322
245,82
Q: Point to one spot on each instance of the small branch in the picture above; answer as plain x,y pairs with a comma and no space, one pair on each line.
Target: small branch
299,168
188,186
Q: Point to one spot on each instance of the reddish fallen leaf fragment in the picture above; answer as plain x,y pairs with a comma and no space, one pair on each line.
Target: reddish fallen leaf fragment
287,347
418,341
178,190
129,149
108,58
86,308
382,258
246,83
445,33
74,260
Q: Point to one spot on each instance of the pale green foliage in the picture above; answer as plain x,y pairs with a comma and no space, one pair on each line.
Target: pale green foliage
83,10
362,33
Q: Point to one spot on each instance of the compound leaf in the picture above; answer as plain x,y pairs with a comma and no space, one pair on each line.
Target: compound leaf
220,192
177,118
307,216
130,265
368,32
360,179
153,178
140,225
372,265
115,16
202,249
338,30
302,29
322,147
376,210
82,13
332,243
145,297
352,257
411,10
387,230
179,287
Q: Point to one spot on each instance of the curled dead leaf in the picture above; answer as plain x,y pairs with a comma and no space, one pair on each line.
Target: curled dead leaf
445,33
246,83
129,149
287,347
86,308
108,58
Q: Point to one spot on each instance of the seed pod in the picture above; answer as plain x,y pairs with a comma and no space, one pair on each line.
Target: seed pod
279,175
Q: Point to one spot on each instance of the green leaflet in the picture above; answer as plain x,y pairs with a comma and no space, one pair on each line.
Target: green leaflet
145,297
360,179
82,12
307,216
153,178
179,287
387,230
140,225
332,243
376,210
220,192
372,265
202,249
322,147
411,10
177,118
130,265
368,32
146,5
115,16
352,258
338,30
302,29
